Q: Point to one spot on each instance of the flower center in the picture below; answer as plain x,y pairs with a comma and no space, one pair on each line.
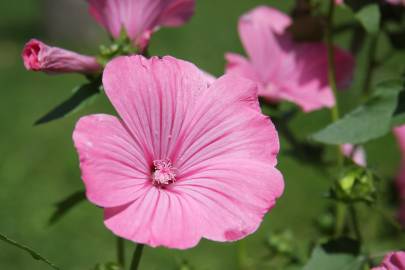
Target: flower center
164,173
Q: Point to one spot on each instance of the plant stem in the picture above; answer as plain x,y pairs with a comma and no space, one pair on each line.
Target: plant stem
121,251
340,208
242,254
355,221
136,258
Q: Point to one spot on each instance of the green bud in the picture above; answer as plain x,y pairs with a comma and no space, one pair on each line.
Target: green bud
356,184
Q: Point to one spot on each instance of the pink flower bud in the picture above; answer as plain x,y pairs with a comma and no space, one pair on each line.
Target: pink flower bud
38,56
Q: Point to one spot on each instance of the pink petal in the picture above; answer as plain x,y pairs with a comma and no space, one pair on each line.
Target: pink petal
239,65
256,30
113,167
159,218
392,261
152,98
177,13
358,155
233,195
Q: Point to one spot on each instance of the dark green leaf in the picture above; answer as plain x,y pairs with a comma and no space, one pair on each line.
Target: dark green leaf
81,96
65,205
369,16
33,253
338,254
368,121
399,114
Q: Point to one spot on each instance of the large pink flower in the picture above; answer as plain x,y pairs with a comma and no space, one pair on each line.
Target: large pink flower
400,181
38,56
140,18
392,261
188,158
286,70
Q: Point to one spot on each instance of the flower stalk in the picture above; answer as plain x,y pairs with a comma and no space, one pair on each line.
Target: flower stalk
136,258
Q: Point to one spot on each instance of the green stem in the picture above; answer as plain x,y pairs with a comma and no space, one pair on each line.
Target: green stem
355,222
340,208
136,258
242,254
121,251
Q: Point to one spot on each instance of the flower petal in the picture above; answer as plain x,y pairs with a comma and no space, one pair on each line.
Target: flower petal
177,13
152,97
113,168
159,218
233,195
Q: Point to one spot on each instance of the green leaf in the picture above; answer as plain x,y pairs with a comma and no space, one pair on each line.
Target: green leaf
399,114
369,16
33,253
368,121
80,97
65,205
339,254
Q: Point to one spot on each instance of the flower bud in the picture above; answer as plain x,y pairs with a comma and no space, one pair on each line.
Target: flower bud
38,56
356,184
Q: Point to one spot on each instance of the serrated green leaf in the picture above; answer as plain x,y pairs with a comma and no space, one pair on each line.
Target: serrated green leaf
65,205
369,16
29,250
80,97
368,121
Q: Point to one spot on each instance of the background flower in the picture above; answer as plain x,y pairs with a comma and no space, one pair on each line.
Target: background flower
392,261
140,18
285,69
189,159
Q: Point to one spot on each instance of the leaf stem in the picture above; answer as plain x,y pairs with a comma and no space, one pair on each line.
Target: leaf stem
136,258
120,251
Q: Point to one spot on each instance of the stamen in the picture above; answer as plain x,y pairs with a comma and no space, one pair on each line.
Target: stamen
164,172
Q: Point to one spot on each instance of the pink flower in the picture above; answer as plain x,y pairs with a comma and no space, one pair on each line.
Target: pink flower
140,18
392,261
358,155
188,159
284,69
400,181
38,56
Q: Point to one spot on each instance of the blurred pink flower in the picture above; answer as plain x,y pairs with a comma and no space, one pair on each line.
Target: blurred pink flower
396,2
400,182
189,159
38,56
392,261
393,2
140,18
358,155
284,69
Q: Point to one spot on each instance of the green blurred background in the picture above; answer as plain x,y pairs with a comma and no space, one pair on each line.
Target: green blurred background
39,166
